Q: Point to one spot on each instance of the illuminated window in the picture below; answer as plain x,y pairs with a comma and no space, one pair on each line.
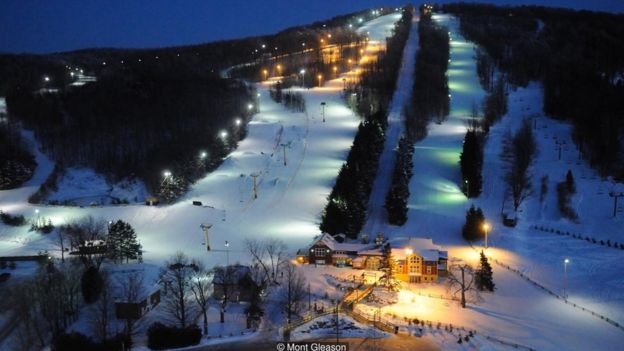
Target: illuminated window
319,252
428,269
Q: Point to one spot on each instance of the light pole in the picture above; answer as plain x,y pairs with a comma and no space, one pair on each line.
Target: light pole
335,72
166,175
320,79
615,196
284,146
323,103
202,159
279,69
302,72
486,227
565,277
255,184
467,187
227,253
266,74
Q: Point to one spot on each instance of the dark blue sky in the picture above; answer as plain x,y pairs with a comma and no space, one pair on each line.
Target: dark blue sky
42,26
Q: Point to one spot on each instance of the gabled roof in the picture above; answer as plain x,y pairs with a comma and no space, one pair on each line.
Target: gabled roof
332,244
422,246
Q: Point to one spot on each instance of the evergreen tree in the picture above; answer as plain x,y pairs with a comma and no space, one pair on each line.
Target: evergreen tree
570,184
398,195
471,163
122,242
483,278
91,285
472,229
389,268
172,187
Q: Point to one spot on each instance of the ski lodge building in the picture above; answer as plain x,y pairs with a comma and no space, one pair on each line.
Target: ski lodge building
417,260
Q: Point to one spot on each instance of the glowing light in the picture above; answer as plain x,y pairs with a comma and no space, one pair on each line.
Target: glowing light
238,122
486,226
408,251
203,155
223,134
166,174
250,106
46,78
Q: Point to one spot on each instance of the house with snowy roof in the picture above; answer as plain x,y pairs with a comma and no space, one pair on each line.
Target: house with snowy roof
327,250
418,260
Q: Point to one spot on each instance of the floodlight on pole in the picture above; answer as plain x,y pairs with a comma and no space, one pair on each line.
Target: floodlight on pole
486,228
565,277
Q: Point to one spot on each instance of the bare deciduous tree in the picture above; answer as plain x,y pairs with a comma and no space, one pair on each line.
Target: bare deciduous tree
82,234
225,280
293,291
519,152
175,276
46,305
200,287
131,289
102,310
268,254
461,278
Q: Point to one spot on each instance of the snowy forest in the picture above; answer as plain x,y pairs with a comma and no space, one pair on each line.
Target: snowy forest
580,67
148,111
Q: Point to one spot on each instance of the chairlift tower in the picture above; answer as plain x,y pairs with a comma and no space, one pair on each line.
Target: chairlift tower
255,184
205,227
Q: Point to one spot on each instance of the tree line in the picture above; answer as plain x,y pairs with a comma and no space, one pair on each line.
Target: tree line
17,163
430,94
151,109
138,124
429,99
345,211
577,55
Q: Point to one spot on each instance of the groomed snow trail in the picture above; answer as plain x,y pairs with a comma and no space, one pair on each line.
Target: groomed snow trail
517,311
290,201
377,214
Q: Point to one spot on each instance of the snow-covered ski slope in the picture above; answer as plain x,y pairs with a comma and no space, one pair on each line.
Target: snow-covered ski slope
377,214
518,311
290,198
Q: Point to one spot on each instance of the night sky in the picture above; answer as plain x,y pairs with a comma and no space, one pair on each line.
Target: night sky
42,26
